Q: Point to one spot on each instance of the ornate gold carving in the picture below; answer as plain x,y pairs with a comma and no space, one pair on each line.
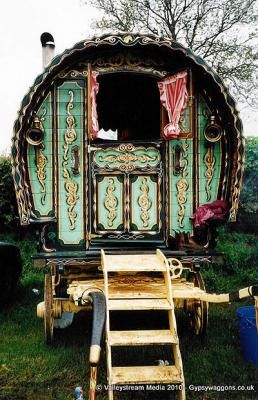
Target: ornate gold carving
70,186
111,202
41,161
144,202
181,124
73,73
129,62
210,161
126,237
127,157
182,186
43,240
128,39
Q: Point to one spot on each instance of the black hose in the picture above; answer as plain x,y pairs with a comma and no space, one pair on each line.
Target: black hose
98,322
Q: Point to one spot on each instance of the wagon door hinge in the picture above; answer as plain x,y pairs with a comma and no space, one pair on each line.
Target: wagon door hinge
92,148
91,236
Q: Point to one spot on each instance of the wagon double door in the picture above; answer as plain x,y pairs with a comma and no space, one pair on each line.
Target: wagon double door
126,194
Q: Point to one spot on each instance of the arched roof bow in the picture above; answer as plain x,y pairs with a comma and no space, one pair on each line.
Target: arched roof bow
37,91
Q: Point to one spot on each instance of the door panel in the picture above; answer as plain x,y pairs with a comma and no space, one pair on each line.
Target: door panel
126,193
109,203
145,193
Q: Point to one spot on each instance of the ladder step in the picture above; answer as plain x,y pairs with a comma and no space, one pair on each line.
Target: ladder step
139,304
134,263
141,338
145,375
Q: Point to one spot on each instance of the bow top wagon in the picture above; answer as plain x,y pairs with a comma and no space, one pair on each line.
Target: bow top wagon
130,146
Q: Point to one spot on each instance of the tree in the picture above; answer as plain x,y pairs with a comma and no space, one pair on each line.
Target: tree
249,194
223,32
8,206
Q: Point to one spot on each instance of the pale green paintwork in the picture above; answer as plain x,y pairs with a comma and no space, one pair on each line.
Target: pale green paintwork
66,234
173,201
136,192
203,112
102,211
46,208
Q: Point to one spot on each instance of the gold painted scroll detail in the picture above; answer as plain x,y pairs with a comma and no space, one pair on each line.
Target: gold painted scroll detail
210,161
127,157
71,187
41,162
144,202
111,202
182,186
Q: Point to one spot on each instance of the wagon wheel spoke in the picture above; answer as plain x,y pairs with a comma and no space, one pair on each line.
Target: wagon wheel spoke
197,310
48,315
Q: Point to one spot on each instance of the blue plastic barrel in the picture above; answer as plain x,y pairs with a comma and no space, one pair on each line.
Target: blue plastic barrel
248,333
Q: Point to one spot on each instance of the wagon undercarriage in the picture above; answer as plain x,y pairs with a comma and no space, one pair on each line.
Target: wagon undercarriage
132,284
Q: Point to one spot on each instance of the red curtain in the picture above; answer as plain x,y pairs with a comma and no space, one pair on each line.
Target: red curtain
94,89
216,209
173,96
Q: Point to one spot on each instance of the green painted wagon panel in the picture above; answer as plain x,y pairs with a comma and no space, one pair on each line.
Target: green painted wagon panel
110,202
209,168
144,203
40,163
70,121
180,188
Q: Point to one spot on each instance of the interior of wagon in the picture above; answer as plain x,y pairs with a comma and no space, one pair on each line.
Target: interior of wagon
130,104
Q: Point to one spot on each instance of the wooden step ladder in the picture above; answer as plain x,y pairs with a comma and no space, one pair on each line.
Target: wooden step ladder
123,265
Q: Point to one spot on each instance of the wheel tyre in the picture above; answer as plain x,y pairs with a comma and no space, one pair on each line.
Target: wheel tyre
197,310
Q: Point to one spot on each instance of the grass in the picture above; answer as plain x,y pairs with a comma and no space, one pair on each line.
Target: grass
29,369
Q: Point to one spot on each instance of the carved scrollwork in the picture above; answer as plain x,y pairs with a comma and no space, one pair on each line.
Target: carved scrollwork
41,161
43,240
73,74
181,124
71,187
128,61
144,202
126,237
126,154
127,158
182,186
111,202
210,162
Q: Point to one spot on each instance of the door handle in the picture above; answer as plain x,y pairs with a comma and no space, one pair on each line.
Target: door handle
75,167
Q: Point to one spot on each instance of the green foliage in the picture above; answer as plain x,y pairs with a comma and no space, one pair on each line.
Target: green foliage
249,194
27,249
240,250
239,267
8,206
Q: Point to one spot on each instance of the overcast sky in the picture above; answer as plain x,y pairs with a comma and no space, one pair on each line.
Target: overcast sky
21,24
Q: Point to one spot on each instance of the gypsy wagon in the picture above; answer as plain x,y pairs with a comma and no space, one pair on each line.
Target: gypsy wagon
127,154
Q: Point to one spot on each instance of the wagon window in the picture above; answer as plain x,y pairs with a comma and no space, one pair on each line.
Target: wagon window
130,104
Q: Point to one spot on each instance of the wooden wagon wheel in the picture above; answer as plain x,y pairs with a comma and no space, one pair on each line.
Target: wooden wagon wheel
197,310
48,315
